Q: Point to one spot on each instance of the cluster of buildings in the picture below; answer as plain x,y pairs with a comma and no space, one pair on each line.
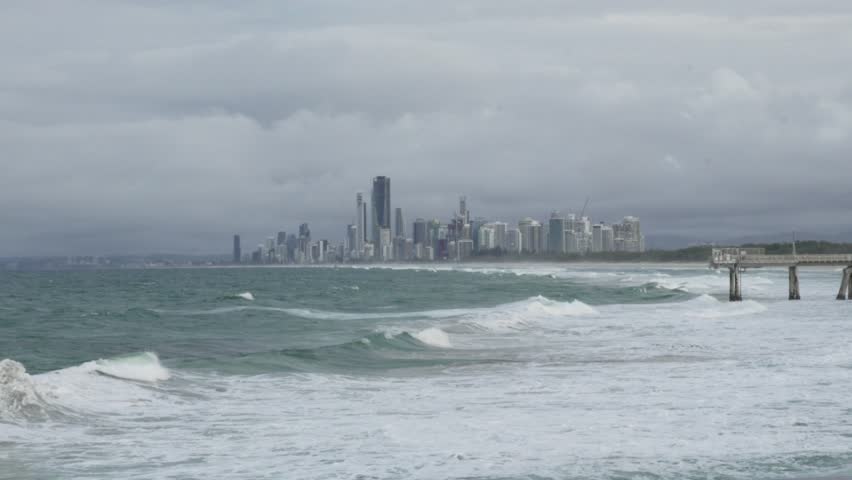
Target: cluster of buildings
385,238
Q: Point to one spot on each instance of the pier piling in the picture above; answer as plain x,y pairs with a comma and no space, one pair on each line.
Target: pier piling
737,259
794,284
843,294
735,293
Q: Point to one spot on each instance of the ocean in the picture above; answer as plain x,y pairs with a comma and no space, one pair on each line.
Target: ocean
527,371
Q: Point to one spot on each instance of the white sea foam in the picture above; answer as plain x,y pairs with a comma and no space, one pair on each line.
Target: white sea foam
18,395
434,337
144,367
246,296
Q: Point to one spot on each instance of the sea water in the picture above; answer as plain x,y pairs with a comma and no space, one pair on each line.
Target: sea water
424,371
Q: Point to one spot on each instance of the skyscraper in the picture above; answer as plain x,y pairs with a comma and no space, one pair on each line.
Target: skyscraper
463,212
556,234
399,227
360,221
419,233
352,237
381,204
282,238
238,253
530,235
597,238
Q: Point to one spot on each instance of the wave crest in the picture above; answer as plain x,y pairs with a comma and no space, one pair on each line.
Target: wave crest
143,367
19,398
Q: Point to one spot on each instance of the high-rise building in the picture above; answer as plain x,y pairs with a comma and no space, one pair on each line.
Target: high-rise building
281,238
399,227
464,249
631,232
531,239
360,221
514,240
385,246
381,204
352,241
500,229
419,233
597,238
238,253
607,239
269,250
463,211
487,237
556,234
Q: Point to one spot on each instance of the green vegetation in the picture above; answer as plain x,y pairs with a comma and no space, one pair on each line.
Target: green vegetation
689,254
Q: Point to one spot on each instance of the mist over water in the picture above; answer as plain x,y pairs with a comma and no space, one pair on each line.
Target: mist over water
448,371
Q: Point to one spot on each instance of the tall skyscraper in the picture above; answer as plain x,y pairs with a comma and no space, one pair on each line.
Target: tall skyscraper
399,227
597,238
238,253
305,231
556,234
419,233
530,235
381,204
282,238
463,211
360,221
352,237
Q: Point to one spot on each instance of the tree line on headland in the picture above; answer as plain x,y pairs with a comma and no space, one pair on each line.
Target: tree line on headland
689,254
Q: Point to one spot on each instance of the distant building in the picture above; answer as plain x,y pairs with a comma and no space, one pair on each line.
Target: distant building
352,241
514,240
556,234
238,252
281,239
385,247
464,248
419,232
607,239
360,222
381,204
399,227
531,238
463,211
597,238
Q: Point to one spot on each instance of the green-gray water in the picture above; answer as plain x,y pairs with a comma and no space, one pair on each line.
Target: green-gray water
519,371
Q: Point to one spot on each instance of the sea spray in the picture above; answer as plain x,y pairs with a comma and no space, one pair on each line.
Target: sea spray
19,398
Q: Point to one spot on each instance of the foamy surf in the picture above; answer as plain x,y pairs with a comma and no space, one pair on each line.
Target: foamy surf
434,337
143,367
245,296
19,398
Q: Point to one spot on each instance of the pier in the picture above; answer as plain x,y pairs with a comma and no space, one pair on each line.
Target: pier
737,260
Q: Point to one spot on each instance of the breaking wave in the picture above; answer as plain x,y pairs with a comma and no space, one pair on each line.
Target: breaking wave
142,367
706,306
19,397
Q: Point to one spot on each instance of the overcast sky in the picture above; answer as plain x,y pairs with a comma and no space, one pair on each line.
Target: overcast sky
159,126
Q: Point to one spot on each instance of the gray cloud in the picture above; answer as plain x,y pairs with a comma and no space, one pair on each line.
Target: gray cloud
149,126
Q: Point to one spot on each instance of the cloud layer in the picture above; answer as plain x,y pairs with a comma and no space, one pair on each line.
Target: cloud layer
152,126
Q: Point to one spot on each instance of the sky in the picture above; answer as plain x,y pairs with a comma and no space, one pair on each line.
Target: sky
157,126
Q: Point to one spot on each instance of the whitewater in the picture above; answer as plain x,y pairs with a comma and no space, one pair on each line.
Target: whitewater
510,371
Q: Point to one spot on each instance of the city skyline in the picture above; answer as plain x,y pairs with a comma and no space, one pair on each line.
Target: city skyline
460,237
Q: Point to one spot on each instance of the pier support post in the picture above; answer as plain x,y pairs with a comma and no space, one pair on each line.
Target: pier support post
843,294
849,283
735,289
794,284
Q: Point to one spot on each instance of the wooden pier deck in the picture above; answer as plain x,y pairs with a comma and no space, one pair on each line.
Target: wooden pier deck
737,260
